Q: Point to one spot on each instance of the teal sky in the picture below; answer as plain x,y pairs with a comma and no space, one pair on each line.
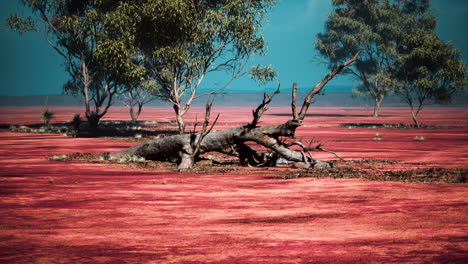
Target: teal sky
30,67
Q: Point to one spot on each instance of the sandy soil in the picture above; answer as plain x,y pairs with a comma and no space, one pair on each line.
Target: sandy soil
81,212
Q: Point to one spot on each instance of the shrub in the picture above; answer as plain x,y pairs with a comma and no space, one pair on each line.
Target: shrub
47,116
76,121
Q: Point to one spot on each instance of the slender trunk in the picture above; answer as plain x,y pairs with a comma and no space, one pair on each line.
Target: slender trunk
86,83
179,119
131,106
92,116
140,106
377,104
136,114
132,114
414,115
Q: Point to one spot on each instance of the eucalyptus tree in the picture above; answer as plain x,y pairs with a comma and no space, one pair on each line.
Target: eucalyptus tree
377,27
137,95
277,139
428,70
74,29
180,42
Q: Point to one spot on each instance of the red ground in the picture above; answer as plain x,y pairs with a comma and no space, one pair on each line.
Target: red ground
78,212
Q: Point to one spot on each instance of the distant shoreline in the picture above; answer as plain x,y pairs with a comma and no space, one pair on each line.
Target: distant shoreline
232,99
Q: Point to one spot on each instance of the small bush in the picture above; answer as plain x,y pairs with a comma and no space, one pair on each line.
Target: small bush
76,122
47,116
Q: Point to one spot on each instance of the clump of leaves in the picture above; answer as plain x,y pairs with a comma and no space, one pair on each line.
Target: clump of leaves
76,122
47,116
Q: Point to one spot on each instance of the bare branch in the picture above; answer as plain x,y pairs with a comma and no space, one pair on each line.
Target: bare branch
205,130
306,149
215,91
320,85
294,100
319,147
257,113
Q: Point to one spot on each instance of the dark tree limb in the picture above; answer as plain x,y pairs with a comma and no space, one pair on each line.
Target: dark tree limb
205,130
319,147
187,147
258,112
190,151
294,101
320,85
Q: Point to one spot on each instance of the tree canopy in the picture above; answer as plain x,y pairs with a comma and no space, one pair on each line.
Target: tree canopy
75,30
428,70
377,27
179,42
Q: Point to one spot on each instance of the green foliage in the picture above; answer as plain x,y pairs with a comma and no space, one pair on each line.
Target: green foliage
175,43
21,25
47,116
76,122
75,29
377,27
178,42
429,70
263,75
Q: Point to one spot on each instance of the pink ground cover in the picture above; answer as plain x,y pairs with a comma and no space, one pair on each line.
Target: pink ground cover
444,147
82,212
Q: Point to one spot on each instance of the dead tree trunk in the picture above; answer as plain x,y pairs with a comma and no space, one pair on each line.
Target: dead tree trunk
185,148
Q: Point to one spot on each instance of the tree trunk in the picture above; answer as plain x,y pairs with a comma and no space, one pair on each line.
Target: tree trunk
377,104
187,161
134,115
414,115
93,120
179,119
185,148
140,106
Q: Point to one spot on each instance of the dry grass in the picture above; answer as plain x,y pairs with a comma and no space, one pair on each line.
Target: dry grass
375,170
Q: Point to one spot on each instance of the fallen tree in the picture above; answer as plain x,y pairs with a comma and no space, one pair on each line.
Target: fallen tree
185,149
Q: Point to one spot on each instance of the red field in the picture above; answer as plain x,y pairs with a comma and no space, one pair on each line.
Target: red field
81,212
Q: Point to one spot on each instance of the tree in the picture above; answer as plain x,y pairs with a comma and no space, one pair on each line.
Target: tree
180,42
137,96
74,29
428,71
376,27
47,116
187,148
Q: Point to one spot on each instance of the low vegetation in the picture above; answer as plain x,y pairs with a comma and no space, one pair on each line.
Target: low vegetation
393,126
47,116
374,170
